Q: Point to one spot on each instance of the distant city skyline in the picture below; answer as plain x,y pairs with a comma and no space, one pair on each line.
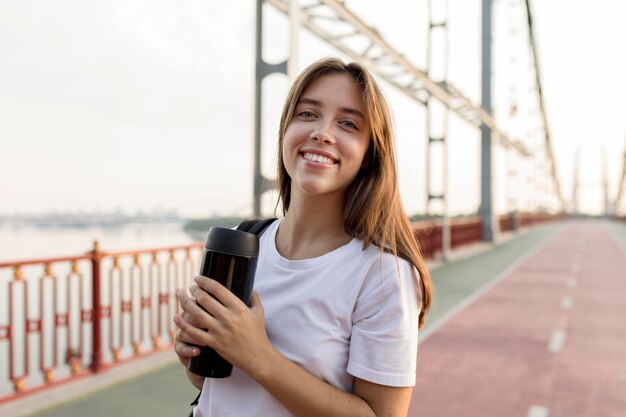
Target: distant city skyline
109,104
83,218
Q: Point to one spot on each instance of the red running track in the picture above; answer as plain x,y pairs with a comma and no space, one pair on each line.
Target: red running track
549,340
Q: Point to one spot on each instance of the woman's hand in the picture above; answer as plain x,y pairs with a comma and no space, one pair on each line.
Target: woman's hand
185,349
185,346
234,330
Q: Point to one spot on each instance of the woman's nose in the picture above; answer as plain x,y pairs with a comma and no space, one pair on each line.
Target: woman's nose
322,134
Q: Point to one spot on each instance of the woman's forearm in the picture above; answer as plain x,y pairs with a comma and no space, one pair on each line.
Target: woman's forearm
305,395
196,380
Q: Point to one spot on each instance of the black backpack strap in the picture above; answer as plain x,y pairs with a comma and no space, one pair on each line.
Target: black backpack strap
255,226
195,402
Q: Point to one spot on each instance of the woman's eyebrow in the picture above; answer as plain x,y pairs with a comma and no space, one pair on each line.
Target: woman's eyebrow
305,100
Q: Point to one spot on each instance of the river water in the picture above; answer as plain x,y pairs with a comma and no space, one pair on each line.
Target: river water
25,242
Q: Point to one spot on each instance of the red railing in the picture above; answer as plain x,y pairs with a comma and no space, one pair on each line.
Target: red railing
462,232
82,314
468,230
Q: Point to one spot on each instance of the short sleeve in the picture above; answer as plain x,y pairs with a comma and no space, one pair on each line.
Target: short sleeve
383,344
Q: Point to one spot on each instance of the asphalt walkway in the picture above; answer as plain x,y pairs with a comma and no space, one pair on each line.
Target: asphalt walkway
487,305
547,340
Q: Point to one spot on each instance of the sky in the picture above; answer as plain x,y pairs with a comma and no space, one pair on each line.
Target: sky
144,104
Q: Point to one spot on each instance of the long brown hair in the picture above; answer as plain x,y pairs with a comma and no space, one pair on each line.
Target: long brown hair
373,210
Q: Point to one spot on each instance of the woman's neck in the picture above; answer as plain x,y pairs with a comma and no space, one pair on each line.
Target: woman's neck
312,227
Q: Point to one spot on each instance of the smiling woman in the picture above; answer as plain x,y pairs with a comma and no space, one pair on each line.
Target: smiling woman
340,288
325,144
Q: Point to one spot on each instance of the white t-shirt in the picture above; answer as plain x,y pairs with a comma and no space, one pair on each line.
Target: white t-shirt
348,313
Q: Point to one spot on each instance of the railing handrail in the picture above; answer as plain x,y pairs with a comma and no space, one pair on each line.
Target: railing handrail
89,255
422,224
152,250
44,261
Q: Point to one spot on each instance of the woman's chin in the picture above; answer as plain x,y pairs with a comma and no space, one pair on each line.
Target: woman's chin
314,189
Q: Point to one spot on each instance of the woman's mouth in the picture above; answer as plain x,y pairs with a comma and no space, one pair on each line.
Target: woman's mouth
318,158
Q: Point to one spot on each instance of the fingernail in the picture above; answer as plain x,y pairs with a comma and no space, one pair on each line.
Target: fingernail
196,279
194,351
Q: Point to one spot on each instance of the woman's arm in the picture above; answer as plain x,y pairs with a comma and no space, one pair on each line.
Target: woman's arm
196,380
238,334
303,394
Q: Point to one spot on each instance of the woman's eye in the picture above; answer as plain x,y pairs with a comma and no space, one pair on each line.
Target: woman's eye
349,124
306,114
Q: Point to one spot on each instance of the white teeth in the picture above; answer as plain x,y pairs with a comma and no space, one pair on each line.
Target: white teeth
318,158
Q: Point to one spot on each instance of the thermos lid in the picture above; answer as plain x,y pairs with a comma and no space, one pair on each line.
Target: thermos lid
232,242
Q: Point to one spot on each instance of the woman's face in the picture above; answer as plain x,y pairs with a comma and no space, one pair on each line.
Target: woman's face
327,139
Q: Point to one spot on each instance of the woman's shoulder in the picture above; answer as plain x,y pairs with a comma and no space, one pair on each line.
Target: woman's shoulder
390,283
382,270
384,258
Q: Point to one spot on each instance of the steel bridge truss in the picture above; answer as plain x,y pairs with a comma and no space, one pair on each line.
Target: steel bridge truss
334,23
544,120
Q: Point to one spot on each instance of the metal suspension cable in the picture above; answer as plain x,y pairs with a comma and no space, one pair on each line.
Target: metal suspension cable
361,42
547,141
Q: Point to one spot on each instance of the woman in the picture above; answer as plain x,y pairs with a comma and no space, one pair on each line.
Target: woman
340,287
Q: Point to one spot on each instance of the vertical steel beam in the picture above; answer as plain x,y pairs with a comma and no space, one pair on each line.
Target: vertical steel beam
512,188
486,211
294,27
438,23
576,182
257,177
605,183
620,186
262,70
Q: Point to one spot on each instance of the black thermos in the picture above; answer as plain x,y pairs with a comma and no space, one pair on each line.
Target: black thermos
229,257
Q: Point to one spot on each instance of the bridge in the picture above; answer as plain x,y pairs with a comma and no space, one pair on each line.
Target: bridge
529,288
528,326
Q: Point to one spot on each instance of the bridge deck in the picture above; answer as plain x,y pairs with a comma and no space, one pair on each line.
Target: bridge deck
548,339
531,327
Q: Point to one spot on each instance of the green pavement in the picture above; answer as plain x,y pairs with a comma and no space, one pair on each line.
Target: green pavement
618,231
165,392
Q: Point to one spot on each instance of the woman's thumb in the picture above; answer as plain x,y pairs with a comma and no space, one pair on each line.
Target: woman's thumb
255,302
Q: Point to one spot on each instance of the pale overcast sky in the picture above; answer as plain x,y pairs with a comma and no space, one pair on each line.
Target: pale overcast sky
149,103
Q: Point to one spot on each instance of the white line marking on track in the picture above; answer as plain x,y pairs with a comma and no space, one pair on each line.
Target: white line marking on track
538,411
575,268
572,282
566,303
557,339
